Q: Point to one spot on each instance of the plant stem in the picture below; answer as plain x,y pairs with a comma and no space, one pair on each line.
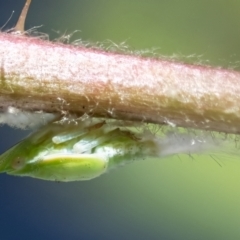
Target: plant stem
54,77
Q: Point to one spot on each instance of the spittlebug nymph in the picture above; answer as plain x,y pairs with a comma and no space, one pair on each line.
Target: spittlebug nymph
72,151
82,150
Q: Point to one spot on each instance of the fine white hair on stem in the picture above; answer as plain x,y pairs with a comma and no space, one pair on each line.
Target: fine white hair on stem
18,118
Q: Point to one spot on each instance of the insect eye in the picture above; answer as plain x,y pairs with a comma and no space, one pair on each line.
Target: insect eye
18,163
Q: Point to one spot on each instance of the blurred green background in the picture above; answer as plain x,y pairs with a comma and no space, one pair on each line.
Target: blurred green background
184,197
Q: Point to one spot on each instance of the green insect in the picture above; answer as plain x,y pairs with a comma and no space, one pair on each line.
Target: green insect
74,151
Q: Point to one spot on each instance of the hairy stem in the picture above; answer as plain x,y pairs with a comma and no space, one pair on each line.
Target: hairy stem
53,77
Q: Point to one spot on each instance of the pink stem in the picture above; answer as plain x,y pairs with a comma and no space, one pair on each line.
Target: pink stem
54,77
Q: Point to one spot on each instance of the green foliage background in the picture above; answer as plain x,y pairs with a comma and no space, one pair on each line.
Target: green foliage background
176,198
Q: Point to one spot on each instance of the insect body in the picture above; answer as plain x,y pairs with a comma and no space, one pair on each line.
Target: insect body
82,150
70,152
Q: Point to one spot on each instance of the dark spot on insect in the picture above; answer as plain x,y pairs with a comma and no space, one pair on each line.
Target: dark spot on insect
18,163
83,107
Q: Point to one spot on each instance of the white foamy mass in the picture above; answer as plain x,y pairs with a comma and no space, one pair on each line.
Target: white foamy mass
173,141
186,143
18,118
